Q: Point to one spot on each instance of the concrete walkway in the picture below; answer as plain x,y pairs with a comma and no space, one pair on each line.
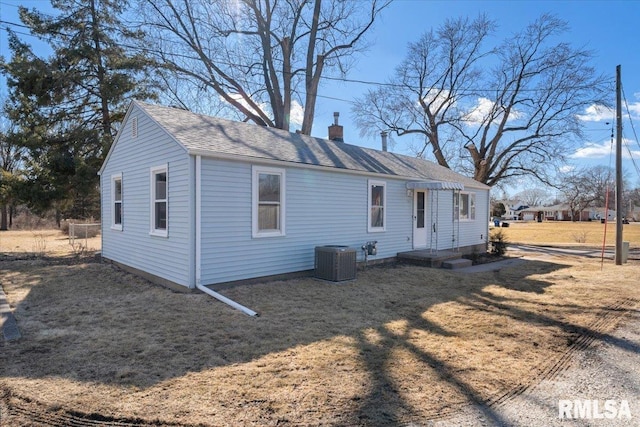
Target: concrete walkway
490,266
523,250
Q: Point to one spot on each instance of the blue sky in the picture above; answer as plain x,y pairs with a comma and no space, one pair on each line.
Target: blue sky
609,28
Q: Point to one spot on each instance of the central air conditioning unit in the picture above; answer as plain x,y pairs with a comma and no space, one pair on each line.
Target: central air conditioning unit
335,263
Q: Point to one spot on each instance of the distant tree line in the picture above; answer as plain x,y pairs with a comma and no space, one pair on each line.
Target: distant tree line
579,189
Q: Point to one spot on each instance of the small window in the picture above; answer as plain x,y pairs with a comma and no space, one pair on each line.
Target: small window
116,202
159,201
268,202
467,206
420,212
377,200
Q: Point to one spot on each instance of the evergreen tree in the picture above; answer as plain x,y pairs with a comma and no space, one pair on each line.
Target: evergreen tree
67,106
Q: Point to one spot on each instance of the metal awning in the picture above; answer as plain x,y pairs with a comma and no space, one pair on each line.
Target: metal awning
434,185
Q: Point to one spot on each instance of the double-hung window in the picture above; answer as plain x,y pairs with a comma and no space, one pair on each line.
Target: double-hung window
268,202
116,202
377,200
466,206
159,201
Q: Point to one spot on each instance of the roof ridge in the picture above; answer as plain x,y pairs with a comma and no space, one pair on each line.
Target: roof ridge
203,133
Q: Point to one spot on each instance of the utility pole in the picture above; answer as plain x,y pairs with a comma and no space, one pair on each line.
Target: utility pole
618,167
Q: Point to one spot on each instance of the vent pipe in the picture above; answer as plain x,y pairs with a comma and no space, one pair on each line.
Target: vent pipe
336,115
383,135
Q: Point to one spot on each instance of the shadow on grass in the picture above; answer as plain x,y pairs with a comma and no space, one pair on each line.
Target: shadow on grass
96,324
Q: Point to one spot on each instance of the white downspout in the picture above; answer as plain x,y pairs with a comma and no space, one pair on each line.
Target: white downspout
199,285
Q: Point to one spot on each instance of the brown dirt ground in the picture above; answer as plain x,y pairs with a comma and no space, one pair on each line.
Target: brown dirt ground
400,344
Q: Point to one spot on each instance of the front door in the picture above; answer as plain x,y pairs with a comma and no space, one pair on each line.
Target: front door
419,229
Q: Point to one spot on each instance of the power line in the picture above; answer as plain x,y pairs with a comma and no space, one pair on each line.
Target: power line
231,64
624,96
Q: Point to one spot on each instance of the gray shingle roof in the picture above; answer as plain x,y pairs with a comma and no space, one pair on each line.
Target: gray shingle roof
205,135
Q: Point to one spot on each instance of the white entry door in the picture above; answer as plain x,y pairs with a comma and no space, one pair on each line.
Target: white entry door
419,219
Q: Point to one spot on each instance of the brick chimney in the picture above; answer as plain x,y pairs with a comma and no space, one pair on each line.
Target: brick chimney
336,132
383,135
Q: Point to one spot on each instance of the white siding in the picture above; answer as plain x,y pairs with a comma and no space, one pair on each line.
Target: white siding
455,234
322,208
475,232
168,257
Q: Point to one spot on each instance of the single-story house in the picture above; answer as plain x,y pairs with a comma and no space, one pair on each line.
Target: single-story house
562,212
195,200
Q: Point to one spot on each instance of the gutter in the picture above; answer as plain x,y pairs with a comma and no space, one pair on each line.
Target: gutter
198,251
226,300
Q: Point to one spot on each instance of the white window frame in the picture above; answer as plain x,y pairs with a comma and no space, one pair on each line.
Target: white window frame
471,205
155,170
114,225
370,184
255,202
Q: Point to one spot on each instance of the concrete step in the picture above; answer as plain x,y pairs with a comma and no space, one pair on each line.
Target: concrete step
453,264
427,258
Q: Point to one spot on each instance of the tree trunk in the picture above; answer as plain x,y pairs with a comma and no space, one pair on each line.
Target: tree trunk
3,218
312,75
101,74
310,99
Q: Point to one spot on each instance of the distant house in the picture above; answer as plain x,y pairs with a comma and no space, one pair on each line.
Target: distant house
562,212
513,209
191,199
599,213
533,213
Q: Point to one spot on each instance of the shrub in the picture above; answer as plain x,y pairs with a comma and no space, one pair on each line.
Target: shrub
580,237
498,240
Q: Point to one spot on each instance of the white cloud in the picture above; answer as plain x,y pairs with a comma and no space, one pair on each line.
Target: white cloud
567,168
634,108
297,113
261,105
482,109
437,98
597,113
596,150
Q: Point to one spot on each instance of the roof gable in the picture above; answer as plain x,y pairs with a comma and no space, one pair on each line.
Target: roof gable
134,107
211,136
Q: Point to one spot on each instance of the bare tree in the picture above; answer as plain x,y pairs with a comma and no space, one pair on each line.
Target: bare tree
533,196
494,113
632,198
259,56
588,187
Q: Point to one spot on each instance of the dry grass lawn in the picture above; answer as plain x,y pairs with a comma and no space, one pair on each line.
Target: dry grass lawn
566,232
400,344
44,242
